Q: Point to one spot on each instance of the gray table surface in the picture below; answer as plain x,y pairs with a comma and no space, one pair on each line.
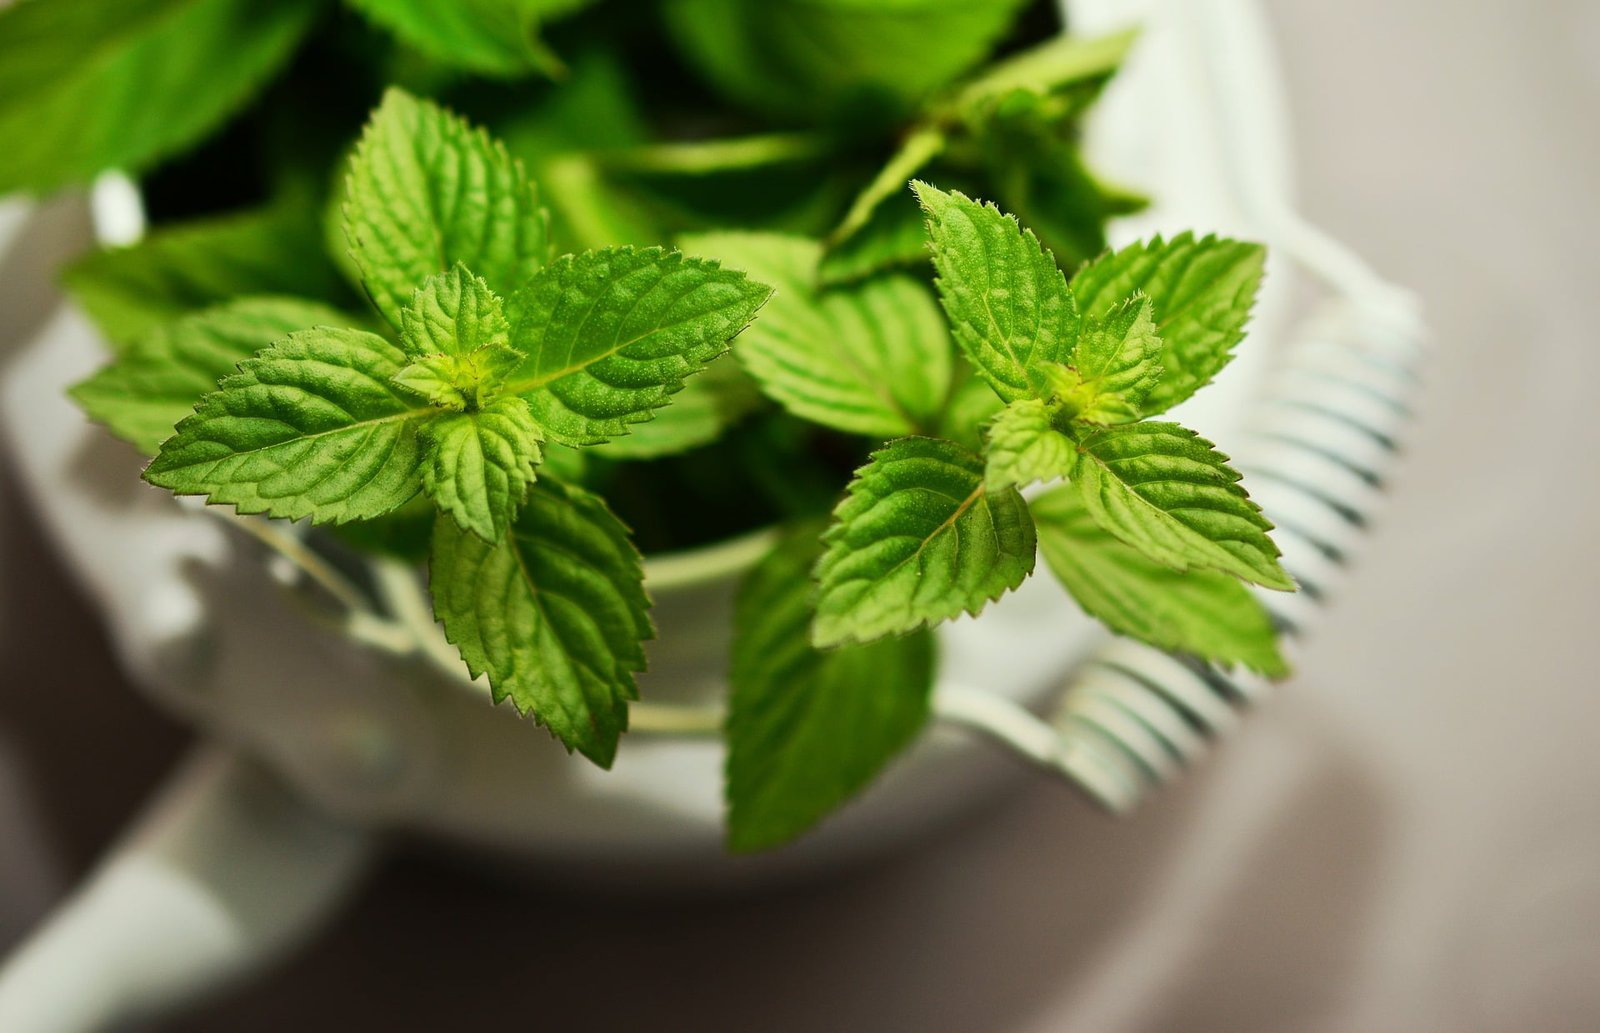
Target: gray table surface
1408,838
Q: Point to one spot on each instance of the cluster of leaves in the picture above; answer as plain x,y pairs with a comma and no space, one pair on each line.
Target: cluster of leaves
496,349
443,377
1152,532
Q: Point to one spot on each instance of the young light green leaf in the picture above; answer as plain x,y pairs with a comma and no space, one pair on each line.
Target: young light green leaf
555,613
918,540
1169,493
152,385
610,335
711,401
86,85
1114,366
1202,612
490,37
1201,292
872,358
454,313
479,464
311,427
456,328
427,190
808,729
1024,446
437,378
129,291
1007,302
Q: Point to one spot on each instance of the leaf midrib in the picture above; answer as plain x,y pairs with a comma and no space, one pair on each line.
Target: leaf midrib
961,508
359,424
534,383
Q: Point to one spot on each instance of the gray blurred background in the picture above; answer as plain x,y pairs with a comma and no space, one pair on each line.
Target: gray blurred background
1408,838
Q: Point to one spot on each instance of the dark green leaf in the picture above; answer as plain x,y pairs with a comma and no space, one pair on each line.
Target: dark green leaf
311,427
491,37
821,59
808,729
555,613
87,85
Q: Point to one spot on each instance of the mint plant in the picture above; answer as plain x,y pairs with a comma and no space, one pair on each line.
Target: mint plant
1152,533
345,424
698,282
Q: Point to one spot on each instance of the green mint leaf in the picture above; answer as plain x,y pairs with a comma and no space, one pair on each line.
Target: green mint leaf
1203,612
1169,493
921,146
1008,303
1202,291
454,313
918,540
1024,446
611,335
871,358
456,328
1061,62
479,464
555,613
427,190
311,427
710,403
490,37
816,60
1114,366
808,729
438,379
87,86
153,384
129,291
